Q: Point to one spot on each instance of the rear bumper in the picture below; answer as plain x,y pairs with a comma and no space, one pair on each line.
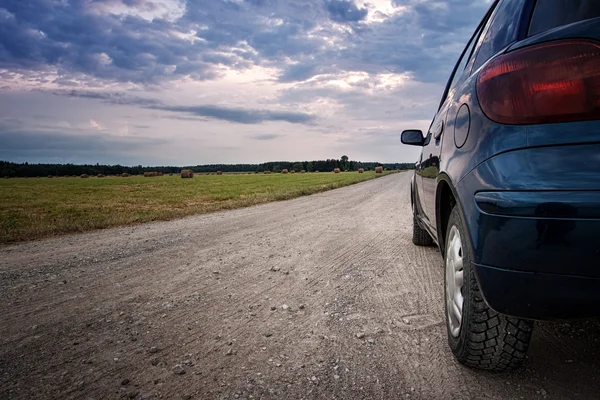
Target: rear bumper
533,217
537,295
553,232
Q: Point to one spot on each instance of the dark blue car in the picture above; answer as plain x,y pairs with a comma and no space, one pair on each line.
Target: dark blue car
508,184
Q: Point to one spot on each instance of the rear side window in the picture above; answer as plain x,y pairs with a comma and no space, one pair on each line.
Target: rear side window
550,14
501,30
463,61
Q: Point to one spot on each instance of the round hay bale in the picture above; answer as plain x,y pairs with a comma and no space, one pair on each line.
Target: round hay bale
316,171
379,170
219,172
125,175
50,176
284,171
292,172
187,173
6,177
101,176
302,171
266,172
336,171
85,176
361,170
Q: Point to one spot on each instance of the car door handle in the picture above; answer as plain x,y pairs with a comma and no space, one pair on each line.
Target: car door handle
437,131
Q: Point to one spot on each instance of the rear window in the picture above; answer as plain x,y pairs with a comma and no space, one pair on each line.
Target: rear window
549,14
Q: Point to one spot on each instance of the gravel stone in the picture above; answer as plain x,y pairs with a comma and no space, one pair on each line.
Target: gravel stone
178,369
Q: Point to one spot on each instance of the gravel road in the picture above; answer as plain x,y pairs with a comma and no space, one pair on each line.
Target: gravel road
319,297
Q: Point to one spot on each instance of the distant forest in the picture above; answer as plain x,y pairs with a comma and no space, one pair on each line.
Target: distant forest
11,169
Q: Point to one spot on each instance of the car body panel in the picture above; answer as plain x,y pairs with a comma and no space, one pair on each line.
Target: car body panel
529,194
541,178
538,296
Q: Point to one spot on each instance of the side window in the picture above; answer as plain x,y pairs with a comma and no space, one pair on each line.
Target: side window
462,63
550,14
500,31
465,59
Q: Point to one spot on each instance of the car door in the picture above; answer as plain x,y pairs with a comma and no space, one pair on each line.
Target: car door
430,159
431,163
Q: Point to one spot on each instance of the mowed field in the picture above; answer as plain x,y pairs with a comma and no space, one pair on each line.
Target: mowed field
32,208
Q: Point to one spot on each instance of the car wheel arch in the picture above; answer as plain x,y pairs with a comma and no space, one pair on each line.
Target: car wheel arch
445,199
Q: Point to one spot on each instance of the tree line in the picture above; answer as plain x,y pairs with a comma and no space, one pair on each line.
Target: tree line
10,169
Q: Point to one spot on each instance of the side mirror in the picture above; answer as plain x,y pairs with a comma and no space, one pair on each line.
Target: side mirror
413,137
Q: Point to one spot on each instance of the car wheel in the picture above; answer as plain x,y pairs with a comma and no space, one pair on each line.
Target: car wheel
420,236
478,336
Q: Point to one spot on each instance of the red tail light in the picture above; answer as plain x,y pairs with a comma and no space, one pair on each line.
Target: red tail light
550,82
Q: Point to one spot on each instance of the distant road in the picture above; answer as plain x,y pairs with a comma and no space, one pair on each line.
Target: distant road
322,296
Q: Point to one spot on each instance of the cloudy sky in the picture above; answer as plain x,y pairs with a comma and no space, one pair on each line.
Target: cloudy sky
179,82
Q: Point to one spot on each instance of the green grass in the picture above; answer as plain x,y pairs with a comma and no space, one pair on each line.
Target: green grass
34,208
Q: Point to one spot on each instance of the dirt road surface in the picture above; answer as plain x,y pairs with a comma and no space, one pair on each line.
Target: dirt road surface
321,297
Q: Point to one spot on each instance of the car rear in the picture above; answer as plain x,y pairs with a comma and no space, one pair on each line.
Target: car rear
532,203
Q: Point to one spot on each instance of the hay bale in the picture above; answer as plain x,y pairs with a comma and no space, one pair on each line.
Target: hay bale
187,173
361,170
316,171
101,176
284,171
151,174
336,171
266,172
219,172
6,177
292,172
172,174
125,175
379,170
302,171
50,176
85,176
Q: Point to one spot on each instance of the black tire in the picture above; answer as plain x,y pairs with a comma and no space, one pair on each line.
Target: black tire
420,236
487,340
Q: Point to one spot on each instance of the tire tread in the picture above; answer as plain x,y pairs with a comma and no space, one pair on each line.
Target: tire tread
420,236
492,341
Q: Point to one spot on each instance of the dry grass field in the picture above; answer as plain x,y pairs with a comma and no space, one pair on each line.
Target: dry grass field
34,208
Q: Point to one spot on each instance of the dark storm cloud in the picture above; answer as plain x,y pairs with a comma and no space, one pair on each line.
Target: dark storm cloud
345,11
118,98
72,37
239,115
230,114
265,136
293,35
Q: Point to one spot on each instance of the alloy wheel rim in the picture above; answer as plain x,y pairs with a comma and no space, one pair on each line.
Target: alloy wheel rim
454,281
